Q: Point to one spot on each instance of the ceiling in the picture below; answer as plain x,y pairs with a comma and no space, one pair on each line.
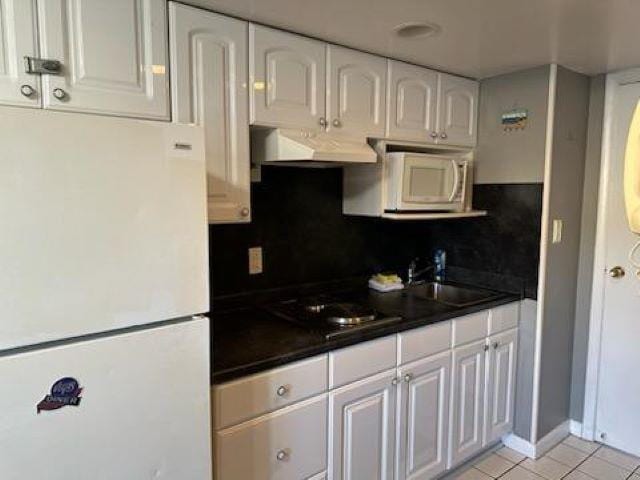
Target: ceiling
479,38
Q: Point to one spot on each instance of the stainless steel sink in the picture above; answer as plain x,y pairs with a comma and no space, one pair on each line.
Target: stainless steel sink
454,295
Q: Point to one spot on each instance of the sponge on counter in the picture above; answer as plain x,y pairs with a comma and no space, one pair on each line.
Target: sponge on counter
386,282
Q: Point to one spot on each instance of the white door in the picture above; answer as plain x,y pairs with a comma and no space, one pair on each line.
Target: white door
457,110
287,76
362,428
114,56
423,408
356,92
618,391
17,40
500,394
143,410
412,94
467,402
209,77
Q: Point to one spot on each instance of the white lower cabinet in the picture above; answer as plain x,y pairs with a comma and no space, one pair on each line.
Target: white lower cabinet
467,403
403,407
361,429
501,377
289,444
423,418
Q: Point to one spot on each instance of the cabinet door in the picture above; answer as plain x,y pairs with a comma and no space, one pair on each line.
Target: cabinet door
287,75
467,402
423,418
356,93
114,56
361,429
501,376
209,76
17,40
412,93
458,111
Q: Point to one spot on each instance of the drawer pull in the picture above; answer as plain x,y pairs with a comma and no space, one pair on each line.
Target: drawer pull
408,377
282,390
282,455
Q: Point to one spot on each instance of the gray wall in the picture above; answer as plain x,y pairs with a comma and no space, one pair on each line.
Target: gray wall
560,282
517,156
587,245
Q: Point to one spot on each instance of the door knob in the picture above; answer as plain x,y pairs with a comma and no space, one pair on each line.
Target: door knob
617,272
443,135
434,134
27,90
337,123
322,121
59,93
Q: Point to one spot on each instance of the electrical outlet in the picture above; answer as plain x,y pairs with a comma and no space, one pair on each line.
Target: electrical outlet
255,260
557,231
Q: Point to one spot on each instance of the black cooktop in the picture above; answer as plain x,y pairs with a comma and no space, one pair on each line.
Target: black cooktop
331,315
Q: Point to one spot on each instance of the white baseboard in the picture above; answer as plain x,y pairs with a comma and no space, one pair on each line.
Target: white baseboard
544,444
575,428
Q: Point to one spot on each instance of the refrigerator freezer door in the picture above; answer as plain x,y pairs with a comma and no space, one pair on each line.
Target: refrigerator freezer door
103,224
144,409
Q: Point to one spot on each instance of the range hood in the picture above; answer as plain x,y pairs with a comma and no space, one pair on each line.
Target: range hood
306,148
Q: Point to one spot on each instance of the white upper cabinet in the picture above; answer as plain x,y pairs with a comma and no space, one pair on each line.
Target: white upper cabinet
114,56
356,92
287,77
501,377
17,40
209,58
413,103
467,405
424,418
361,429
458,110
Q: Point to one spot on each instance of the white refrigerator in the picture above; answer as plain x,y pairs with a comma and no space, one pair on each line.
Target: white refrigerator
104,361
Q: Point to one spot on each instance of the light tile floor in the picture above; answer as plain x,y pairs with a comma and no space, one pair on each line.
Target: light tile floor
573,459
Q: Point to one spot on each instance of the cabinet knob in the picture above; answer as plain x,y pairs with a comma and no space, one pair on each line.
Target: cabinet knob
486,348
395,381
617,272
322,121
59,93
434,134
443,135
282,390
282,455
27,90
408,377
495,345
337,123
244,212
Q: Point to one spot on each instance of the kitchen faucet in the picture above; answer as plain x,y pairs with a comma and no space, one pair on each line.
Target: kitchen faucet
413,274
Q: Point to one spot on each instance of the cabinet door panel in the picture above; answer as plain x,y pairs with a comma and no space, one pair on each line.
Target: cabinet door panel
458,110
287,75
209,75
362,424
501,385
356,97
17,40
424,418
412,93
467,403
114,56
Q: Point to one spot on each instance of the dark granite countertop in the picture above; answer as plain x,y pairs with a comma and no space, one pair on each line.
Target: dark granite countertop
247,339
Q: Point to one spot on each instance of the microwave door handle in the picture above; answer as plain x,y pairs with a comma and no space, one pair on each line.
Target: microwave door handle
456,181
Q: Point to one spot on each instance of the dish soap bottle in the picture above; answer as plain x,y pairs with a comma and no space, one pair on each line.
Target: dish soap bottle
439,264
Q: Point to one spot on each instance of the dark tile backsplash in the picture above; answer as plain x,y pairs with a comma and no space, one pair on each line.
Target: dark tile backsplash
298,221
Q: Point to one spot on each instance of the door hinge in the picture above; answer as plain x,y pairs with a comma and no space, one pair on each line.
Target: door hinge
42,66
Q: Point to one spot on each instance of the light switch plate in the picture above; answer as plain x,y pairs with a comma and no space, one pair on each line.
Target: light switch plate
557,231
255,260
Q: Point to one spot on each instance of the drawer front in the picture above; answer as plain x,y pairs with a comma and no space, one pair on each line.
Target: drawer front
422,342
353,363
470,327
249,397
290,444
504,318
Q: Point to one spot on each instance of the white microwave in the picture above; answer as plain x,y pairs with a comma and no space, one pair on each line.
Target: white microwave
425,182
